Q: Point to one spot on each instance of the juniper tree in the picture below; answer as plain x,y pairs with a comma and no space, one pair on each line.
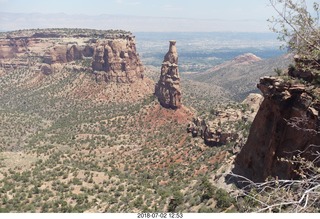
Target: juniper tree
297,24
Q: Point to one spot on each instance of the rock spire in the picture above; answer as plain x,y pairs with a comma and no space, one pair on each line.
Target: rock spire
168,88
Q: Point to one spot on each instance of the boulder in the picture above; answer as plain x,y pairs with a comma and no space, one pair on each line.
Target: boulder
46,69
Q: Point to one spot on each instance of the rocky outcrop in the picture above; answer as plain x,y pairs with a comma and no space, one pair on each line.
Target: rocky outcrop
246,58
46,69
117,61
113,60
212,135
9,48
88,50
226,124
63,53
299,71
110,55
287,124
168,88
57,54
253,101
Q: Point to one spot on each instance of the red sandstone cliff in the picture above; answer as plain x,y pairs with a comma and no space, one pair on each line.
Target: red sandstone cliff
117,60
112,57
286,124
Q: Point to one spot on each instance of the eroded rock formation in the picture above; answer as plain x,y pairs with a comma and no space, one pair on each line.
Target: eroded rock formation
299,71
110,55
9,48
212,135
62,54
113,60
287,124
168,88
117,61
226,124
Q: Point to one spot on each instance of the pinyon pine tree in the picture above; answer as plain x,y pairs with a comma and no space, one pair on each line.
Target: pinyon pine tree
297,23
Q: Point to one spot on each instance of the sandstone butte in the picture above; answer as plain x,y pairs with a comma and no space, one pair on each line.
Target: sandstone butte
168,88
112,55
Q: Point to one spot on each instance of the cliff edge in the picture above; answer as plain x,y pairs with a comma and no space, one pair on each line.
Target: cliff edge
286,126
109,54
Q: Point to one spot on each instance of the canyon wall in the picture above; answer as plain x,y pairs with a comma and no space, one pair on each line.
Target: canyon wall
110,56
285,127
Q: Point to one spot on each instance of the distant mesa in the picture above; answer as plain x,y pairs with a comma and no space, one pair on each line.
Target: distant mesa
246,58
168,88
110,55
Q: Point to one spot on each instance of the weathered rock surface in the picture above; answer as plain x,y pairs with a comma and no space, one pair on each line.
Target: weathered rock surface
212,135
111,55
246,58
253,101
10,47
46,69
65,53
286,124
168,88
117,61
222,125
299,72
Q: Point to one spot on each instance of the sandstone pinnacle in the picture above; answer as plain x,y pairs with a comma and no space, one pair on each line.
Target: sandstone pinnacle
168,88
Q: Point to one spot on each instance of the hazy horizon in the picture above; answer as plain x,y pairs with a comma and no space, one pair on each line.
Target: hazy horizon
138,15
14,21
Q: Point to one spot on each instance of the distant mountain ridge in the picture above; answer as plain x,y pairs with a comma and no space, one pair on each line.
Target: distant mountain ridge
247,58
14,21
241,75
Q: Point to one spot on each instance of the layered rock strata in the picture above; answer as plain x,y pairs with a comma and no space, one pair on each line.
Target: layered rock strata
300,70
168,88
117,61
63,53
285,127
110,55
212,135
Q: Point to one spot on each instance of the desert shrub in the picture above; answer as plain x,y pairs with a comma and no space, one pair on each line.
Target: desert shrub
176,200
207,189
138,202
224,200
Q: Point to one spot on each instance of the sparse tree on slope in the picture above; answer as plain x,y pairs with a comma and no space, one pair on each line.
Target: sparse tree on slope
298,26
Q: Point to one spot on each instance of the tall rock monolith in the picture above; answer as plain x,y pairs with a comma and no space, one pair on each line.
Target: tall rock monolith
168,88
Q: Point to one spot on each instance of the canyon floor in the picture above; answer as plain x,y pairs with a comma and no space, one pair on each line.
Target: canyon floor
70,143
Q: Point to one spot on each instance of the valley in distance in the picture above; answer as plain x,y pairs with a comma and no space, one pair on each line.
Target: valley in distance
111,121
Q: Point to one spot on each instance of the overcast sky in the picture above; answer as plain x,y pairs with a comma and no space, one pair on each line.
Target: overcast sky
201,15
201,9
